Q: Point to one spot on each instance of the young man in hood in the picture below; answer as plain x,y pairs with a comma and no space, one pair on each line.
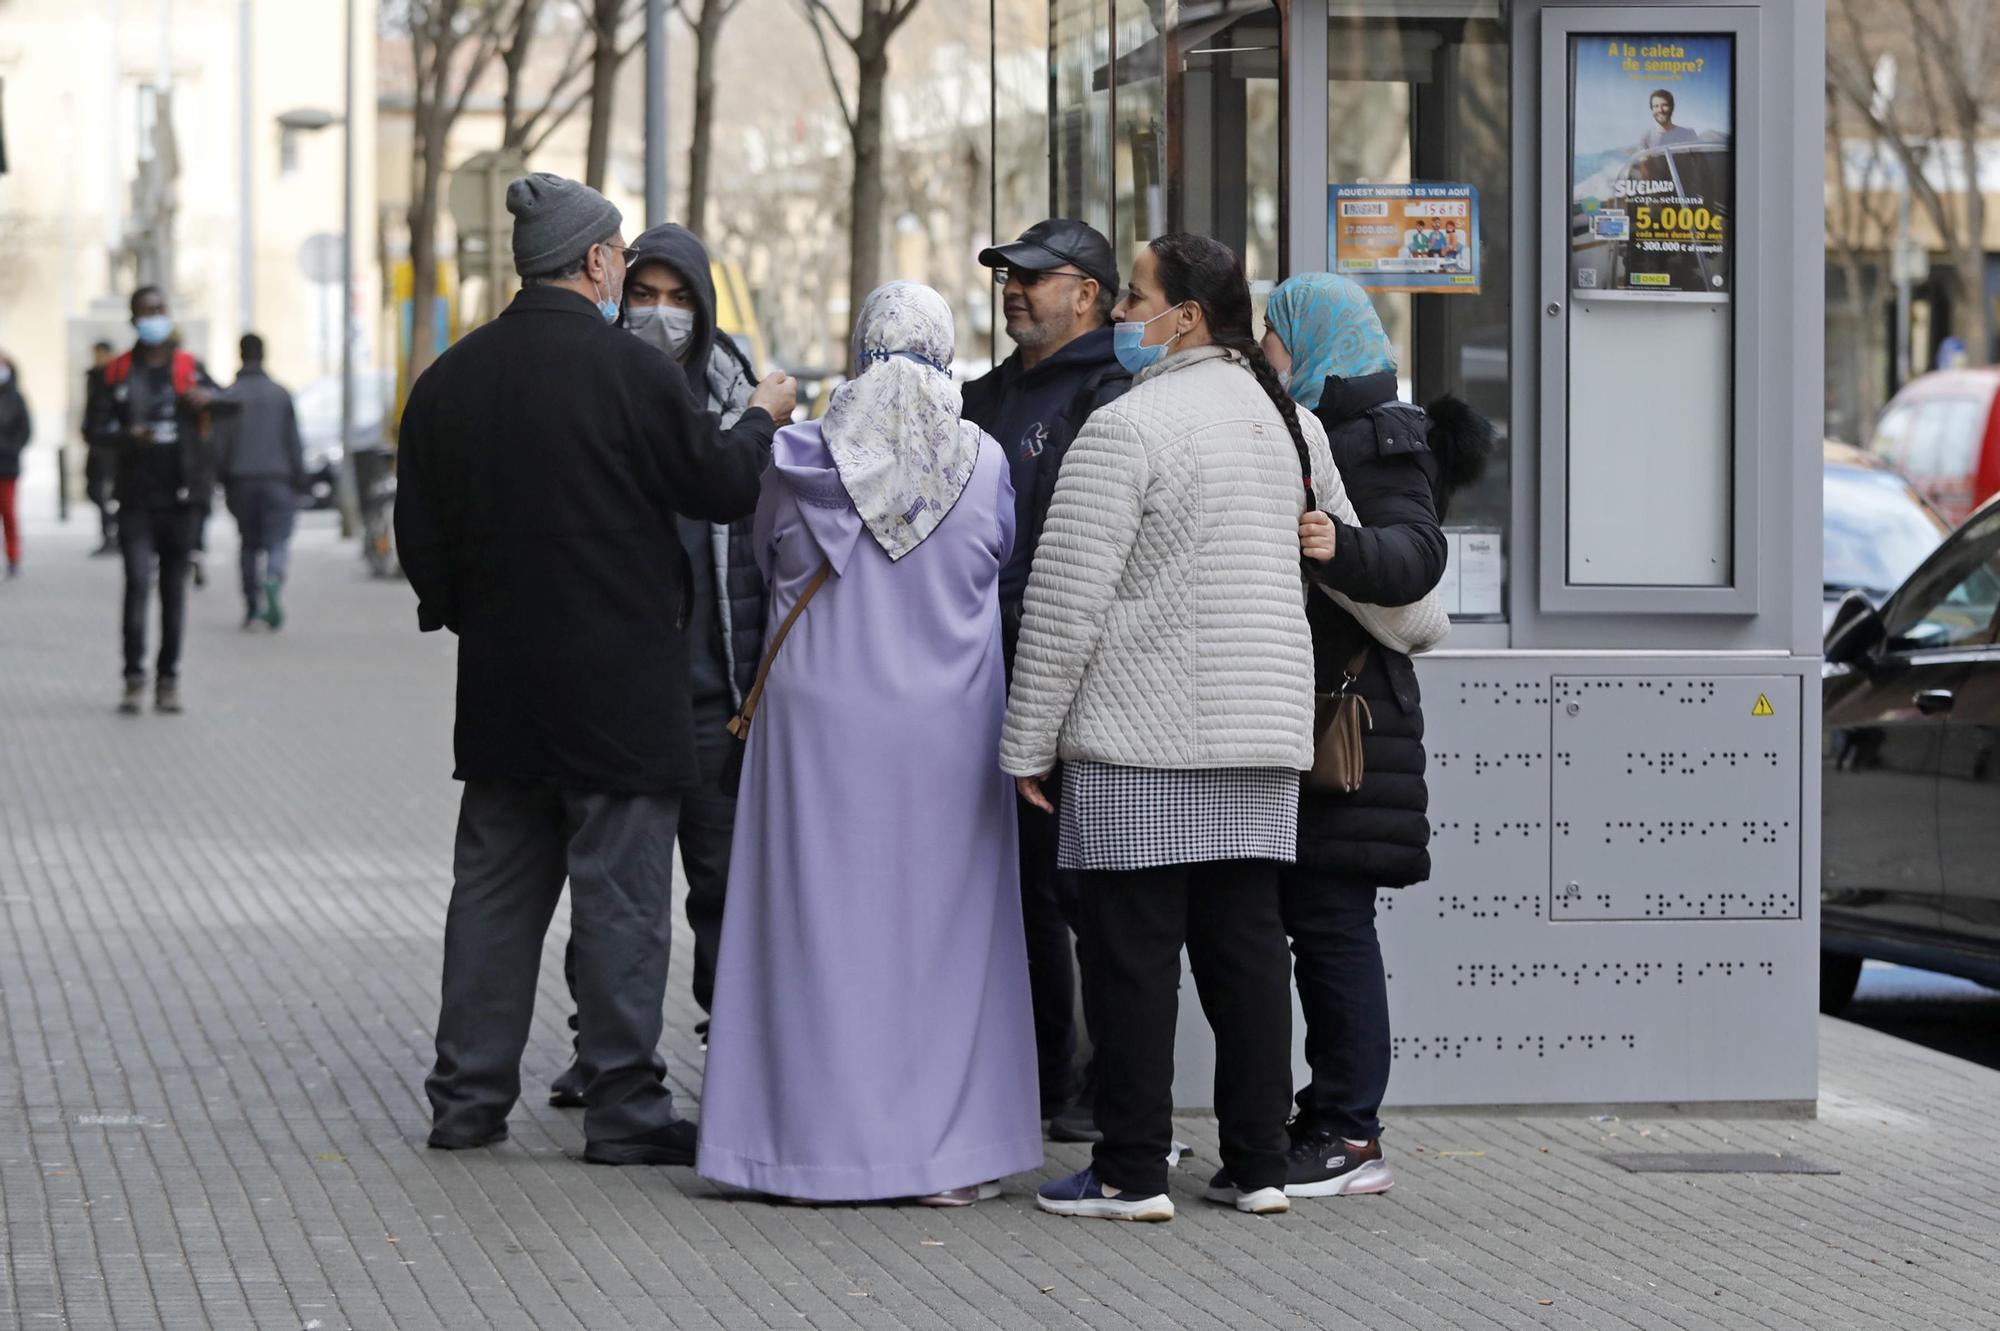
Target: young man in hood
1058,283
670,305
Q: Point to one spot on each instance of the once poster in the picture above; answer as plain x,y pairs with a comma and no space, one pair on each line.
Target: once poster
1652,166
1419,237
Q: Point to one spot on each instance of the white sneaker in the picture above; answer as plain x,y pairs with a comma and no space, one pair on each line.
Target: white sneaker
1083,1196
1262,1201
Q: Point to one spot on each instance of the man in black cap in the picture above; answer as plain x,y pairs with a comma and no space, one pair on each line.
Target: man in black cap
1058,284
544,461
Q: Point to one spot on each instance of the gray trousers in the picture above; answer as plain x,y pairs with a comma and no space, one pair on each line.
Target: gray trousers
265,511
516,844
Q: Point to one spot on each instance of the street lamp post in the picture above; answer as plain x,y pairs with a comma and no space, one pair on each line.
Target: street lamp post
656,112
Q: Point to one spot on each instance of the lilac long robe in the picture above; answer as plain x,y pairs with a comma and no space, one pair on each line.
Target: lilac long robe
872,1035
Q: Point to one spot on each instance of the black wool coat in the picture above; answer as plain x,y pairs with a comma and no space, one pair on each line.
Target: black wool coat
1380,834
541,462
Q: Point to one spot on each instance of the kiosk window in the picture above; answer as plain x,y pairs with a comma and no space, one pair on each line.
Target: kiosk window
1417,96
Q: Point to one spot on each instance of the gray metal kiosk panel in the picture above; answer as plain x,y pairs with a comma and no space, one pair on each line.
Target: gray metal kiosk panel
1679,798
1495,1000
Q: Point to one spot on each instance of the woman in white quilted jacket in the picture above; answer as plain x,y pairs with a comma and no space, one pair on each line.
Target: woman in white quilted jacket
1166,662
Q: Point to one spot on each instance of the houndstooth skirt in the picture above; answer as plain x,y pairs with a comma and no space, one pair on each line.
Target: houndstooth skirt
1124,818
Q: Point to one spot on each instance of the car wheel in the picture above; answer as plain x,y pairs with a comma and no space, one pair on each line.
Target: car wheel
1838,975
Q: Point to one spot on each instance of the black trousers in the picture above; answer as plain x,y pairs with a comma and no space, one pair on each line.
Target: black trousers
1048,910
516,845
1345,997
1134,926
707,828
156,544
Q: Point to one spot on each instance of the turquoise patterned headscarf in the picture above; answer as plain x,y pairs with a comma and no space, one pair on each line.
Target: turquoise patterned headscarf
1330,326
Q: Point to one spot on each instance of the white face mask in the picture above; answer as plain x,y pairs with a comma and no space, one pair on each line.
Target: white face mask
6,375
667,327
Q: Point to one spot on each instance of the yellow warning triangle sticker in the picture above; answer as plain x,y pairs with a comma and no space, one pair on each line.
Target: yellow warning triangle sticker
1763,707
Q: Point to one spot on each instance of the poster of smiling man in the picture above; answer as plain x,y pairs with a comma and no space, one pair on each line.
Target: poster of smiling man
1652,167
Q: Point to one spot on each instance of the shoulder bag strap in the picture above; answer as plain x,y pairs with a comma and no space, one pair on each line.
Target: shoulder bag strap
739,725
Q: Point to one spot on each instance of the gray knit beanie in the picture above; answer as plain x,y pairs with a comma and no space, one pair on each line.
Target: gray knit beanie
556,221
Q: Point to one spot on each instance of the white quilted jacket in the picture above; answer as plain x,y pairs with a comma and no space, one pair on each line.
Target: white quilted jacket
1165,621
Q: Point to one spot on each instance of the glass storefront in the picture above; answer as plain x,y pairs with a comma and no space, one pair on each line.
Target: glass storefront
1173,116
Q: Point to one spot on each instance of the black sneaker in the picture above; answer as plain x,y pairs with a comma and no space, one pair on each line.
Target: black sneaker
1322,1164
673,1144
134,701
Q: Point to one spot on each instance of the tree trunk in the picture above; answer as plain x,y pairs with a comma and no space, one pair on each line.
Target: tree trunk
1977,321
423,220
708,27
604,62
864,248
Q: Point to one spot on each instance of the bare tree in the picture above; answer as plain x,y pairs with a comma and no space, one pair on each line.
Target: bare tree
1946,41
452,44
608,54
1858,222
528,127
706,21
868,43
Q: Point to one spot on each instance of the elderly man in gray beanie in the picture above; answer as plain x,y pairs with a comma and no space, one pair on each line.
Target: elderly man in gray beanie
544,461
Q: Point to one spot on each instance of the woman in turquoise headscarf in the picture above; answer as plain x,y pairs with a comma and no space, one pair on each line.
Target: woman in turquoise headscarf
1398,463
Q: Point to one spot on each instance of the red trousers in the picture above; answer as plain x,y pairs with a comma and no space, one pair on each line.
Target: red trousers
10,525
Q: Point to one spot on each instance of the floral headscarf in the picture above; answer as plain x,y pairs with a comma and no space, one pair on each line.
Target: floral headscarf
1331,329
894,430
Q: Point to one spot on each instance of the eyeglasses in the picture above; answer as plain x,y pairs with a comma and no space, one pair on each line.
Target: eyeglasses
1029,277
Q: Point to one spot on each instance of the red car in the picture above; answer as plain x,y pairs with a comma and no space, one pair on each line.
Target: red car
1943,433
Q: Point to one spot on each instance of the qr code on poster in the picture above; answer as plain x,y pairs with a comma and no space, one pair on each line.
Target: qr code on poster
1586,277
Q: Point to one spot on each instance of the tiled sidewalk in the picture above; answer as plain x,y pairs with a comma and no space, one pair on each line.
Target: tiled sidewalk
219,941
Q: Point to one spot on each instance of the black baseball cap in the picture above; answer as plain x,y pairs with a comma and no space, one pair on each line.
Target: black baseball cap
1052,244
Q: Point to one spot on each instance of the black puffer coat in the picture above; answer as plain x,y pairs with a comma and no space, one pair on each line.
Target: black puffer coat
1381,833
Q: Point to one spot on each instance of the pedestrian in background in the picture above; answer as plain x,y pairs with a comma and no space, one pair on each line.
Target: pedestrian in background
1398,465
670,305
100,464
544,459
1059,283
873,1035
1166,660
263,469
17,426
154,406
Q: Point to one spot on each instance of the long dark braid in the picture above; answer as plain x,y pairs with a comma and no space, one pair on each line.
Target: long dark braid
1207,272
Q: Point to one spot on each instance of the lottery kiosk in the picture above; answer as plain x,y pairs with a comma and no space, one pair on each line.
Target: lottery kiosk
1601,226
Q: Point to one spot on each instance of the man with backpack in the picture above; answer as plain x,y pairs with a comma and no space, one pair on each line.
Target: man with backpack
152,407
1058,283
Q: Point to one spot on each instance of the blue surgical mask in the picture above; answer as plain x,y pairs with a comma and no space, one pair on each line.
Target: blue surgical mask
1128,343
607,304
153,329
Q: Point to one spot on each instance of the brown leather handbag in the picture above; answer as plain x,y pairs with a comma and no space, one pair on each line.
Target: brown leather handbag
739,725
1340,720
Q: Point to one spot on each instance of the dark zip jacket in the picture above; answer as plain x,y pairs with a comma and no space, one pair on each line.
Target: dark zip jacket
1035,415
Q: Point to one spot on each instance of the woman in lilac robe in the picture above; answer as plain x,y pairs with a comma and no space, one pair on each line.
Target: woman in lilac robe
872,1036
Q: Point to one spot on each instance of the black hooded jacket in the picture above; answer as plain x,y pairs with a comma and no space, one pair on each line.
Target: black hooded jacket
726,635
1034,415
1379,835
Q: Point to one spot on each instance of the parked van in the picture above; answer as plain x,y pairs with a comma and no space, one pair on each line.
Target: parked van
1943,434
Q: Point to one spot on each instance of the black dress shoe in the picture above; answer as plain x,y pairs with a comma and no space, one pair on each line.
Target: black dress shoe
671,1145
441,1141
566,1091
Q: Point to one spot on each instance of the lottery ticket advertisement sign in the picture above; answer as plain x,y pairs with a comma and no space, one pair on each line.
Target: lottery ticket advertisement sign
1652,166
1417,237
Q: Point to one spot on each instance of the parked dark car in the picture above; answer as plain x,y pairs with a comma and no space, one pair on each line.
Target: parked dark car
1875,531
1910,759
